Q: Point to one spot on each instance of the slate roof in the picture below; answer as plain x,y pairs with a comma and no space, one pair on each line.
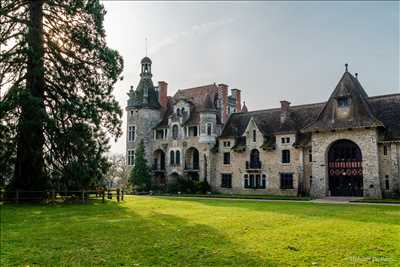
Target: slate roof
385,108
139,100
378,111
269,121
361,114
197,95
201,99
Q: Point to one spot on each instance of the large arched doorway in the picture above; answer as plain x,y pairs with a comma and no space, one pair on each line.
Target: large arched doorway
345,169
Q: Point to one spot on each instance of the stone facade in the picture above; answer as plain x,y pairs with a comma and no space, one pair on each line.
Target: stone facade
179,132
366,139
349,145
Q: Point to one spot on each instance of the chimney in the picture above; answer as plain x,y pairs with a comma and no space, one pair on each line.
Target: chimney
284,110
163,93
223,95
236,94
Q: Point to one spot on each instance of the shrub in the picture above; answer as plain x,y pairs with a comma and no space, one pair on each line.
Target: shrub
203,187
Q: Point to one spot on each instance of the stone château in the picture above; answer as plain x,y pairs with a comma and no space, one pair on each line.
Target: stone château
347,146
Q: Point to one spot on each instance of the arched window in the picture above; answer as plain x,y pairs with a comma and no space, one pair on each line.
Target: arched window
255,159
175,132
171,158
178,157
254,135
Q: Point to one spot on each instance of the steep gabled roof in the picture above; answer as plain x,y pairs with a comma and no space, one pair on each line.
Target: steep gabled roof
360,115
197,95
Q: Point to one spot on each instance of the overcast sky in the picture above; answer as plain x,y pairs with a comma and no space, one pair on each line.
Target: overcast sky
270,50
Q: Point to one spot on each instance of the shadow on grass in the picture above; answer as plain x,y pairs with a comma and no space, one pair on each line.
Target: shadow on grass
112,234
358,213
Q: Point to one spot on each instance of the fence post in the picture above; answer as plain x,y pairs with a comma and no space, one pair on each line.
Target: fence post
16,196
83,196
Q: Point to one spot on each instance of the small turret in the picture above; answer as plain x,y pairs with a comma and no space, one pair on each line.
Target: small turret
145,95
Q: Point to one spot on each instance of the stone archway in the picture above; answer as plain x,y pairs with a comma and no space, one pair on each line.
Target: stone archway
345,169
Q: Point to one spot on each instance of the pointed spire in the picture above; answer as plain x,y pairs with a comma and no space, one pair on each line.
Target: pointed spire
244,107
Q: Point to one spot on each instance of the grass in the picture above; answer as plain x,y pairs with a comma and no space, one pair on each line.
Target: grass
383,200
243,196
160,231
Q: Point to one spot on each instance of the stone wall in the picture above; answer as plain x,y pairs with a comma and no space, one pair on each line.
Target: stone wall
271,165
144,120
183,144
389,167
366,139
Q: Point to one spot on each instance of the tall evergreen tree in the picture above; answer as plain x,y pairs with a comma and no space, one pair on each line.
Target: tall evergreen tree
56,81
140,175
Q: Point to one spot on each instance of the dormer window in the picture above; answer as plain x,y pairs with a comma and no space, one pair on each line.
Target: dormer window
343,102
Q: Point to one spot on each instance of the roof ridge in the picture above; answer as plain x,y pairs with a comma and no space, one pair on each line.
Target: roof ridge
276,109
197,87
382,96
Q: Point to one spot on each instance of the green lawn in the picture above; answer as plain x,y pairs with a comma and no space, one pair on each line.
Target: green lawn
156,231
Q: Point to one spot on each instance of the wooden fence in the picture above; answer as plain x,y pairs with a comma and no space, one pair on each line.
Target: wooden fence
54,196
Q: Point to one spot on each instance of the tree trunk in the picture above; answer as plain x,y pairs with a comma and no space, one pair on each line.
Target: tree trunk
29,169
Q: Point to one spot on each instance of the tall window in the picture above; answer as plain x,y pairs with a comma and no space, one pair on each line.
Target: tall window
286,180
175,132
246,181
227,158
254,135
209,129
131,133
131,157
310,155
387,187
255,159
171,158
255,181
177,157
285,156
226,180
385,150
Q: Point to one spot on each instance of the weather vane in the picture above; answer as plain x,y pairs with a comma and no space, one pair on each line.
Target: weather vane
146,45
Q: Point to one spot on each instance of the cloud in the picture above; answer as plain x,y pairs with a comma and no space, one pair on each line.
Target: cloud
194,30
